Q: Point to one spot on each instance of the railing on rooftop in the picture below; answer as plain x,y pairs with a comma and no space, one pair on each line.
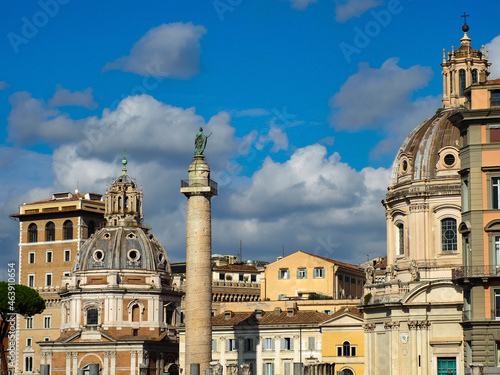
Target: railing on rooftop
199,182
475,271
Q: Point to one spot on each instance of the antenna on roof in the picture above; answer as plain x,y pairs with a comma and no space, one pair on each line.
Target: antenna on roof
283,251
240,255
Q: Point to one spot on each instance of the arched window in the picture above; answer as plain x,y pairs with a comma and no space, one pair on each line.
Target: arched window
50,231
346,349
347,371
91,228
68,230
474,76
119,203
32,233
400,239
449,234
461,78
92,317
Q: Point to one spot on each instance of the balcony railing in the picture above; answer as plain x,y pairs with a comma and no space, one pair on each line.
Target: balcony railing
199,182
475,271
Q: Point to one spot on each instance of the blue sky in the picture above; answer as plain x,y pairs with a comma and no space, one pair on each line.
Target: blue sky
308,102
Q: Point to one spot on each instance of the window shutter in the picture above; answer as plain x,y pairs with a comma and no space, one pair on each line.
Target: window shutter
298,274
283,344
236,344
311,343
291,343
252,345
214,345
305,273
263,345
279,275
228,343
272,344
272,368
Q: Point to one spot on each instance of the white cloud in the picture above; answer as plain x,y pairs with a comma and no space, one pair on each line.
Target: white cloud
169,50
494,56
372,94
328,141
64,97
353,8
301,4
31,121
3,85
312,202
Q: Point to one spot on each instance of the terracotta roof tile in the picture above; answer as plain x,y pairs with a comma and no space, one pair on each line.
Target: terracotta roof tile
353,310
236,267
269,317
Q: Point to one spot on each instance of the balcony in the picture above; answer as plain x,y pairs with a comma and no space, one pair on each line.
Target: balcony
200,183
475,272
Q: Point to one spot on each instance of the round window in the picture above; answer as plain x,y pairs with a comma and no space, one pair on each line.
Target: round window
404,166
449,159
98,255
134,255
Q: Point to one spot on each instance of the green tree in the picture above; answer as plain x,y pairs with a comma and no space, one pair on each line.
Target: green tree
16,299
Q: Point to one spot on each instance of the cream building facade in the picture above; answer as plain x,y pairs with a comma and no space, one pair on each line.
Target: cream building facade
265,342
413,312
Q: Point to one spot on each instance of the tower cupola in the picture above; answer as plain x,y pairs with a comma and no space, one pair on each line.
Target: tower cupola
462,68
123,201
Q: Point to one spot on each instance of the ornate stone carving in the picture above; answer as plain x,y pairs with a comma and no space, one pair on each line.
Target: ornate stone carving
412,324
369,327
413,269
391,325
245,369
369,272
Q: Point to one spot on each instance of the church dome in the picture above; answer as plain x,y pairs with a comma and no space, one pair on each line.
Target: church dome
124,243
121,248
430,151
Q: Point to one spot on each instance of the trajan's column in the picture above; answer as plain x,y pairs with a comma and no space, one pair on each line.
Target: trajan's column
199,190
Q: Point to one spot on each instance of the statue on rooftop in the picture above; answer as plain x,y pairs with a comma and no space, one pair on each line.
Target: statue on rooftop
200,142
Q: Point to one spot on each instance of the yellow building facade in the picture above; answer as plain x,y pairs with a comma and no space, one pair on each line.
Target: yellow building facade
343,341
300,275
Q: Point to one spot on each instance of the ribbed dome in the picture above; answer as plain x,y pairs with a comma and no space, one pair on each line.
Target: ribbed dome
121,248
431,150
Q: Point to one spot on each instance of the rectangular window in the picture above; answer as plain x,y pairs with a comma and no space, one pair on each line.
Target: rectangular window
311,343
66,273
222,276
241,277
249,345
29,322
46,338
31,280
319,273
497,304
495,192
29,341
301,273
67,255
268,344
287,343
283,274
48,279
495,98
46,321
214,345
287,368
268,368
253,278
31,257
496,250
28,364
231,345
339,351
494,133
49,256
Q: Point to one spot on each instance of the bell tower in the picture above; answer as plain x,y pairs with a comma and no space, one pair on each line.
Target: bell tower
462,68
